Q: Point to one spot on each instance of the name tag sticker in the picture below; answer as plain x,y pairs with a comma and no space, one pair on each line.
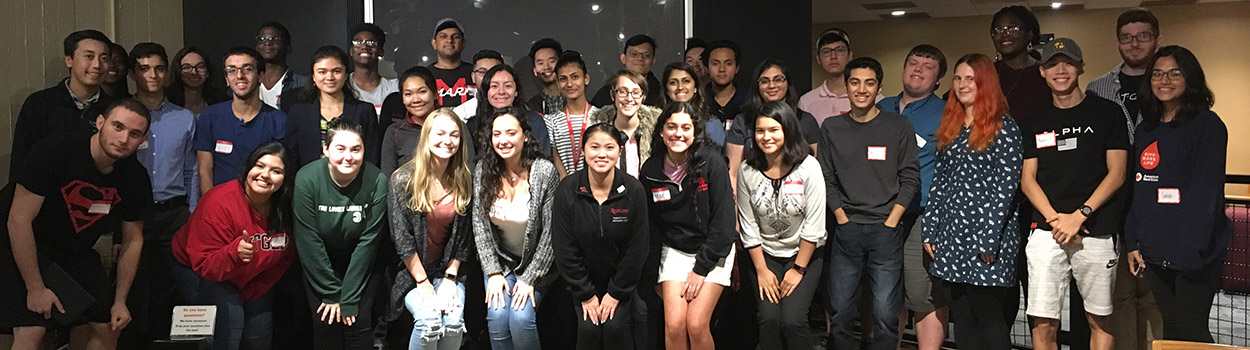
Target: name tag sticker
876,152
99,208
224,147
278,242
143,145
1169,196
1046,139
660,195
920,141
792,188
1067,144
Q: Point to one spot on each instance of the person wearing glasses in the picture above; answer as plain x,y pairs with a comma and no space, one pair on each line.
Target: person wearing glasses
629,114
771,85
453,75
638,56
1135,319
227,132
368,46
833,51
273,42
1015,33
196,85
1176,225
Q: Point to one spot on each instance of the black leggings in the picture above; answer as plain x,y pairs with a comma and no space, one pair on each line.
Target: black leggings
983,315
358,336
1184,300
615,334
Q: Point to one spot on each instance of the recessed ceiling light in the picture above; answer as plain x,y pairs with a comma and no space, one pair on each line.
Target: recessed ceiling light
1056,5
897,13
595,8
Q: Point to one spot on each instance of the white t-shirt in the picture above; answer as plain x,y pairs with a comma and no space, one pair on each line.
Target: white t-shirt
385,87
466,110
512,218
273,96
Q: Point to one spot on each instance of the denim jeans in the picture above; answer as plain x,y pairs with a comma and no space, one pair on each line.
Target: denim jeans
434,328
513,329
876,251
240,324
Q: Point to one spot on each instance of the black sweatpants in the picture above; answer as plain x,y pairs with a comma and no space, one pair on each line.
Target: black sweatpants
615,334
358,336
1184,300
983,315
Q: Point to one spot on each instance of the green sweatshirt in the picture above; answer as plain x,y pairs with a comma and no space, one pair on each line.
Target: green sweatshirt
336,231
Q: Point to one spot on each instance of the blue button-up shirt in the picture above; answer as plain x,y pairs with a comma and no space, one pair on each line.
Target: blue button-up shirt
925,116
230,140
169,154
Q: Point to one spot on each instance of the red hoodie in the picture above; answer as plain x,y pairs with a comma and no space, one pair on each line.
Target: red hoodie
209,243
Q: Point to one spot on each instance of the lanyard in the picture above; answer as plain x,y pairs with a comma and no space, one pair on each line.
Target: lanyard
575,139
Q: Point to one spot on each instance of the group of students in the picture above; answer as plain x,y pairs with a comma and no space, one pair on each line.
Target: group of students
303,200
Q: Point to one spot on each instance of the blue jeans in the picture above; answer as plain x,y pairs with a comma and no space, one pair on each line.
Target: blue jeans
240,324
875,250
513,329
435,328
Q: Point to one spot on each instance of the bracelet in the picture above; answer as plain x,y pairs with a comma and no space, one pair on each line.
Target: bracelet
423,280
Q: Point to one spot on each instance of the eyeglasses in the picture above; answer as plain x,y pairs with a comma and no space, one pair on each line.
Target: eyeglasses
480,71
268,39
639,55
186,68
838,51
1174,74
366,43
246,69
1004,30
780,79
623,93
1142,37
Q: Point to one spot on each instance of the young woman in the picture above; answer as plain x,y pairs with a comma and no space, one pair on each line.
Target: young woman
399,141
772,84
681,84
782,215
430,225
195,86
1176,224
601,258
234,249
340,209
513,186
566,126
113,82
326,98
628,114
1014,32
500,89
692,224
970,229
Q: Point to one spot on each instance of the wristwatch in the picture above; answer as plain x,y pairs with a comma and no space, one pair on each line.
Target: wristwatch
451,276
1086,210
800,268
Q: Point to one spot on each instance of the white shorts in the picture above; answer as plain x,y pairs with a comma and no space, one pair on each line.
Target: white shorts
1051,266
675,265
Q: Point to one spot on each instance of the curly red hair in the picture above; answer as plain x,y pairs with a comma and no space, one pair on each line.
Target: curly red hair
988,108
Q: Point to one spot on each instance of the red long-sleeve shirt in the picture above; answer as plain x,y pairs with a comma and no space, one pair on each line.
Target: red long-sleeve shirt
209,243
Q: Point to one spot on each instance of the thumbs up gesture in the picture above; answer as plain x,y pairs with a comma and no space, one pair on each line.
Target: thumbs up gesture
246,249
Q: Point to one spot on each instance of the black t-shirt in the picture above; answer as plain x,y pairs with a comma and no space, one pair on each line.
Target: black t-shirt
1070,146
455,86
1129,85
80,203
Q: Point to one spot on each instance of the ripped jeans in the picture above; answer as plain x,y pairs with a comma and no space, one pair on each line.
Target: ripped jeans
434,328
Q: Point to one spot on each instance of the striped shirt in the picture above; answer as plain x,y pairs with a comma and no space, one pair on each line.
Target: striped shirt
565,132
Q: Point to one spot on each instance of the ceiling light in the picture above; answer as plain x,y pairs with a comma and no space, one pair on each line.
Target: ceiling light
595,8
898,13
1056,5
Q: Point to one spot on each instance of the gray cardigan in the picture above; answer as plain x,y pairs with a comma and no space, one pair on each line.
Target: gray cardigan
409,231
534,268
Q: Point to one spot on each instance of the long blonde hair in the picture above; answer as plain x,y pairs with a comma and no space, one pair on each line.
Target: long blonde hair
461,180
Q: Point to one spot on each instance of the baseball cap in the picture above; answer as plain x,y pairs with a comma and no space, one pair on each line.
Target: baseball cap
447,23
1062,46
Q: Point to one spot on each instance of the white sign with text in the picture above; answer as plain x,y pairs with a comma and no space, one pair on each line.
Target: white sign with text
193,321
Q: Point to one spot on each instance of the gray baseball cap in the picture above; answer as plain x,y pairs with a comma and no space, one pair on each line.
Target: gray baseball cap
1062,46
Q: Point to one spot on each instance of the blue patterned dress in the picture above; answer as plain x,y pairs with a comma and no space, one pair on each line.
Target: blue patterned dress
970,210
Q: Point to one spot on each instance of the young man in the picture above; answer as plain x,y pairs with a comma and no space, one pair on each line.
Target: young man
451,75
80,186
722,58
1075,153
694,58
368,45
833,51
1137,31
70,105
871,172
922,72
273,42
227,132
545,52
638,56
565,127
169,156
483,61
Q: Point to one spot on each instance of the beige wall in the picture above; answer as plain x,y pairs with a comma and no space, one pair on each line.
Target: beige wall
33,54
1217,33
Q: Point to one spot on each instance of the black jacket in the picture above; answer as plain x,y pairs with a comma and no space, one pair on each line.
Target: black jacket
600,248
46,112
696,216
303,130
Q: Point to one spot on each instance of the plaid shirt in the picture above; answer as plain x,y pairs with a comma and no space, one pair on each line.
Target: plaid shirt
1108,86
